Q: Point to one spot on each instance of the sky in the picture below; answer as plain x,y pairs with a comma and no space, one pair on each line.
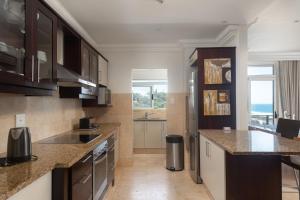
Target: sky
261,91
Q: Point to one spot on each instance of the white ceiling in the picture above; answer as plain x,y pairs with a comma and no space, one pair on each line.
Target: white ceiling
147,21
276,30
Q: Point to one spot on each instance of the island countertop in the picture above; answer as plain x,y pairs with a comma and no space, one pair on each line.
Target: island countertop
50,156
238,142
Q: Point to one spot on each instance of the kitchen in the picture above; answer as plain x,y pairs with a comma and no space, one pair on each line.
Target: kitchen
60,68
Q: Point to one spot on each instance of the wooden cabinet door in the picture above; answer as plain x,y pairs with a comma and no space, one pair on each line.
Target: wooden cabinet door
139,134
153,134
85,61
103,71
44,47
82,178
16,42
27,44
93,66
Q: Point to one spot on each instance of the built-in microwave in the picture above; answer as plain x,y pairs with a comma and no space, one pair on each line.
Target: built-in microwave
104,96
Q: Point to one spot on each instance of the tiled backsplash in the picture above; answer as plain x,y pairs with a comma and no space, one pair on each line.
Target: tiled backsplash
45,116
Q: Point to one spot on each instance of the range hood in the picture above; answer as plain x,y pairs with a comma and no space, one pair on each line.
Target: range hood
67,78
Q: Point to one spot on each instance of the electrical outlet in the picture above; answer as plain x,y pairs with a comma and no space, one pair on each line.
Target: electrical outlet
20,120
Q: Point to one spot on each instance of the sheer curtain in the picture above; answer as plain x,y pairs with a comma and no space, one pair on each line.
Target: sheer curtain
289,87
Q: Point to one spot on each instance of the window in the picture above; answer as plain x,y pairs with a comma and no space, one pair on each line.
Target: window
262,102
149,94
142,97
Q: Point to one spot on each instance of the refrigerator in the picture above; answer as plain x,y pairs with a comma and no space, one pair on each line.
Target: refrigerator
192,136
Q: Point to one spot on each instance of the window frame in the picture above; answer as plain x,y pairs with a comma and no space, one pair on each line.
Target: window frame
150,84
263,77
151,97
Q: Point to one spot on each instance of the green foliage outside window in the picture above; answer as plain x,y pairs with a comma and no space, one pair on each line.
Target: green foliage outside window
145,97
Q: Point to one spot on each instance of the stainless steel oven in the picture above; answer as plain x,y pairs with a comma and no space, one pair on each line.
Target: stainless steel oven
100,170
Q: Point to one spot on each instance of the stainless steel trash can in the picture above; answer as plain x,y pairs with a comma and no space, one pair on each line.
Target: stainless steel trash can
175,152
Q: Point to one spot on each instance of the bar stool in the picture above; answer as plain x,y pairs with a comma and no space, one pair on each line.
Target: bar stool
289,129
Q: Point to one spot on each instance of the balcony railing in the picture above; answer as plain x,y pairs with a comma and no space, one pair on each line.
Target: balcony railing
265,121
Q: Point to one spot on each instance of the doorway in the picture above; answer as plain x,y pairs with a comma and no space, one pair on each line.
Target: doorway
149,104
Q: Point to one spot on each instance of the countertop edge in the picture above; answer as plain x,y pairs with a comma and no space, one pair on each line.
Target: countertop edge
243,153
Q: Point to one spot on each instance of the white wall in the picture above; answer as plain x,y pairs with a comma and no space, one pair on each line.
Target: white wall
176,61
121,64
150,74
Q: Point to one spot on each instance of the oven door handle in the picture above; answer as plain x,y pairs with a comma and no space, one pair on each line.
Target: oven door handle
99,160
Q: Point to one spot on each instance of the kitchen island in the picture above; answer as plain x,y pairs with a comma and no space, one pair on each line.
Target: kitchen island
243,165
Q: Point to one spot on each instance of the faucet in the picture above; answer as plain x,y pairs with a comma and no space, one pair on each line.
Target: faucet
148,114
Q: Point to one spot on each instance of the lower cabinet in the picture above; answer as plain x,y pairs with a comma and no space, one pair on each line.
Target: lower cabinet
74,183
82,178
139,134
212,166
153,134
149,134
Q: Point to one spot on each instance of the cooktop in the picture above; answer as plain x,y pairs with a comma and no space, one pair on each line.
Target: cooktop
70,139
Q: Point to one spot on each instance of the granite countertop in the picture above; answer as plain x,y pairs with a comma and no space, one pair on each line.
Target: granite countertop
50,156
252,142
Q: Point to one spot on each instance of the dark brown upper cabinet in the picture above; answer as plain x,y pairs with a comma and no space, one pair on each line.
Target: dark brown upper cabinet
27,47
93,66
37,48
15,42
89,63
44,49
69,48
85,61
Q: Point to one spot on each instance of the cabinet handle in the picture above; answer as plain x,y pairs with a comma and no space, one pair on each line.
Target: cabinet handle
208,152
206,149
84,161
84,180
207,146
32,68
39,70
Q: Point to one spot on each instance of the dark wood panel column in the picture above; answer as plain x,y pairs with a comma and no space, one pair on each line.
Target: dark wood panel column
253,177
216,122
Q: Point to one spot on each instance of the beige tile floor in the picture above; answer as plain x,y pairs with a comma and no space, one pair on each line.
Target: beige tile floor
147,179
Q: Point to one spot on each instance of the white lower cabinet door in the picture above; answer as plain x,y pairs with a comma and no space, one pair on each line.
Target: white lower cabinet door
203,159
41,189
153,134
212,168
217,177
139,134
163,134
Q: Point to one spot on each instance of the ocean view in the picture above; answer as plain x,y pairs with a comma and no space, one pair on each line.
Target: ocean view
262,108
